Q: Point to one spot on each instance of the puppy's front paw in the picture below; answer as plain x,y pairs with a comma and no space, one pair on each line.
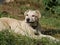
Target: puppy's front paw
36,33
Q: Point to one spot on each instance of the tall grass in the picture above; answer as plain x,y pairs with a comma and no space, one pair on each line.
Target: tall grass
52,23
10,38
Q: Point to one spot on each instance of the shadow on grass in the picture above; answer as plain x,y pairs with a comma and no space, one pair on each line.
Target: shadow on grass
50,31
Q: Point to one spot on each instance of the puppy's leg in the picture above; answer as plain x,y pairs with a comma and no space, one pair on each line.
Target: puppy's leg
38,29
49,37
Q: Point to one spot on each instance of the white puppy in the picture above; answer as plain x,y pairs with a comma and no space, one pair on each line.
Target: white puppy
31,18
21,27
29,27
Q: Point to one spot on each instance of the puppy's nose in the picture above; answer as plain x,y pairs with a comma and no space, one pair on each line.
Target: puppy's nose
28,20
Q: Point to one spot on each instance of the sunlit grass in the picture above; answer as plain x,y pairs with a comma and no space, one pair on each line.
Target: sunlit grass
10,38
52,23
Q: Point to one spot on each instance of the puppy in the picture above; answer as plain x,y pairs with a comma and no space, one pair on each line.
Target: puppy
32,17
28,27
25,27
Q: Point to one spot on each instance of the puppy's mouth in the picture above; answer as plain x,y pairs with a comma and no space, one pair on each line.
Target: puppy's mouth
29,22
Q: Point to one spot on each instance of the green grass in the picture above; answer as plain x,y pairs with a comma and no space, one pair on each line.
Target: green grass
7,15
10,38
51,22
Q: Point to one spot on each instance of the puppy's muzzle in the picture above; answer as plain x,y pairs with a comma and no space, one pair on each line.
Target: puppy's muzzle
28,20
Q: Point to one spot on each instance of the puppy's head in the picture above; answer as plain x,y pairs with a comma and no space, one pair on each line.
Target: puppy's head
32,16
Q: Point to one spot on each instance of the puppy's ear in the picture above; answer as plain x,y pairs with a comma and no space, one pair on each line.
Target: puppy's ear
26,12
38,14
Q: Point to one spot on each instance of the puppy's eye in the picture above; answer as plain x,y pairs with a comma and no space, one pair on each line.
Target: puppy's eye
27,15
33,15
